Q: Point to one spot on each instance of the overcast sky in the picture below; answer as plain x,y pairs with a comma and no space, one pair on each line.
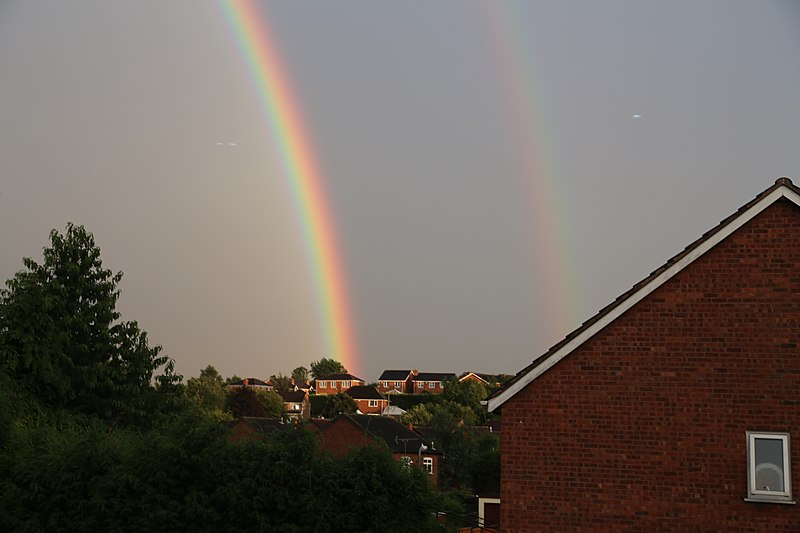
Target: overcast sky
497,171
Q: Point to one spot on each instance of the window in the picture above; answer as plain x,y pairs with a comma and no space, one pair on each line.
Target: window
373,403
427,464
398,384
323,384
345,384
385,384
769,476
295,406
432,384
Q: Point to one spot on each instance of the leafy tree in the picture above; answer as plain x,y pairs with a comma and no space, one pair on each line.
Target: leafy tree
300,374
281,383
244,401
207,393
62,340
338,404
419,415
467,393
233,379
325,367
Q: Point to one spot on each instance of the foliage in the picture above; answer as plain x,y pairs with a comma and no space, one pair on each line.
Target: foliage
244,401
190,477
281,383
468,393
419,415
61,338
337,404
233,379
207,393
326,367
300,374
407,401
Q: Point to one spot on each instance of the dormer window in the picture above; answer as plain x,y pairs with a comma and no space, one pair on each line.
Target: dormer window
769,477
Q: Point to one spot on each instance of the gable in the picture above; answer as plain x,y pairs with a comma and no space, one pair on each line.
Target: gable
783,190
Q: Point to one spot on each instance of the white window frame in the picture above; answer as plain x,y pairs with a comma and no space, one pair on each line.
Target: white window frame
345,384
755,494
373,403
427,464
322,385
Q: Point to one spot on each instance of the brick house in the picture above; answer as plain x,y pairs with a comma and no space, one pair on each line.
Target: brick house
336,383
253,383
396,381
673,408
368,399
347,432
432,382
296,404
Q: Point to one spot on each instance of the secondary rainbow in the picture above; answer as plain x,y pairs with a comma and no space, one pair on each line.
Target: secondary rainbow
283,116
516,59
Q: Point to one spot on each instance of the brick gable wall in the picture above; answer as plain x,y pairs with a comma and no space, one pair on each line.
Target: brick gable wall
643,427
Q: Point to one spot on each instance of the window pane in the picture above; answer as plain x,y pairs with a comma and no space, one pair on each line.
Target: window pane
769,464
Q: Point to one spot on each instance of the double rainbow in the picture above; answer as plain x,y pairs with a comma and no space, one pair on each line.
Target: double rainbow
283,116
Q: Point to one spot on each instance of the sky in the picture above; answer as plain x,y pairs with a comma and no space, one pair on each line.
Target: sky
492,173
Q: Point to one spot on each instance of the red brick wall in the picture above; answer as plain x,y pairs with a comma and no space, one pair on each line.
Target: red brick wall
363,406
643,427
424,386
342,436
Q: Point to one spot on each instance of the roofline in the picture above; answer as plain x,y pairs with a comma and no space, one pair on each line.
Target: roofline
783,188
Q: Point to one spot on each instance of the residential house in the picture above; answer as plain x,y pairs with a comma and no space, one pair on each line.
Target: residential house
487,380
676,407
336,383
253,383
368,399
432,382
297,404
348,432
396,381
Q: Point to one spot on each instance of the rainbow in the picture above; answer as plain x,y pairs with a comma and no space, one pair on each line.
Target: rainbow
283,116
553,251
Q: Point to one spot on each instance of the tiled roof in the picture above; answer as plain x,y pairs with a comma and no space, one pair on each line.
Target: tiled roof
783,188
339,377
394,375
252,382
397,437
293,396
434,376
362,392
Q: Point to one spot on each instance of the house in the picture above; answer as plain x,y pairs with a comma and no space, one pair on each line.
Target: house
368,400
396,381
432,382
296,404
305,386
336,383
487,380
253,383
348,432
676,407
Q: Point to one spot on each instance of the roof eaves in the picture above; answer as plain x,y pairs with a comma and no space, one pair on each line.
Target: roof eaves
783,188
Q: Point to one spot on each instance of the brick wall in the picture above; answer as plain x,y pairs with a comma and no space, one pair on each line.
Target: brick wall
643,427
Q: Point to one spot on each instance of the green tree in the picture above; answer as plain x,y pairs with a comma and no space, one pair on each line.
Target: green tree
281,382
300,374
338,404
62,340
467,393
419,415
233,379
207,393
325,367
244,401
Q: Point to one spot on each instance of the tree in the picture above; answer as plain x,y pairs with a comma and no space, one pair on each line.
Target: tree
233,379
62,340
468,393
325,367
244,401
300,375
281,383
207,393
419,415
338,404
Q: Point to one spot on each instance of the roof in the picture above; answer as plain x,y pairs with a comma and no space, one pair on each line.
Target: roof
783,188
251,382
293,396
363,392
339,377
483,377
399,438
434,376
394,375
393,410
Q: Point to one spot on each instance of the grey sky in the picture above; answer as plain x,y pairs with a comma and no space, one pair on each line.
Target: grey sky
420,113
